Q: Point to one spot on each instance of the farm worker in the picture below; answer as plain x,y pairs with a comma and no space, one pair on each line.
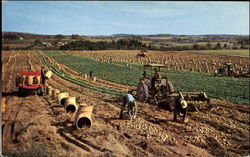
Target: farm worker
144,74
180,109
156,85
129,100
43,72
156,78
42,75
90,74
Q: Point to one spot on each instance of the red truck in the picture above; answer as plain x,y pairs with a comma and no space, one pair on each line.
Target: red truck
30,81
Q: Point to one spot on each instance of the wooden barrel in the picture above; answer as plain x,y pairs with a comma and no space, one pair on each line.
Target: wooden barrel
48,74
29,80
85,76
61,97
70,105
37,80
57,93
54,92
49,90
83,116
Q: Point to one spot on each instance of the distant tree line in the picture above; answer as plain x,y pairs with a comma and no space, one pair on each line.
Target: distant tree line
11,36
208,46
244,43
133,44
122,44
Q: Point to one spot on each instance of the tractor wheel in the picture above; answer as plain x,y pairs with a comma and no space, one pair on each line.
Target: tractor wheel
171,105
40,91
20,91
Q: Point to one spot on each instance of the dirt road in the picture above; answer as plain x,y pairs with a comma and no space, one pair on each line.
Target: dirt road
38,126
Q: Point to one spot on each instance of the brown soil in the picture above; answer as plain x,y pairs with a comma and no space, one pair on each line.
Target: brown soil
38,126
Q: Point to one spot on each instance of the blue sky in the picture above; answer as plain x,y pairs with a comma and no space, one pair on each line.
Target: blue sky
130,17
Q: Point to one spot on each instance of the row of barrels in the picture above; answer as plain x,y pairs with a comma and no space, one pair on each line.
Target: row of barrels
32,79
83,112
29,80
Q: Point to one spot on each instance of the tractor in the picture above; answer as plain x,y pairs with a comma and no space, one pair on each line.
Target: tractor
32,81
142,54
153,89
158,90
228,70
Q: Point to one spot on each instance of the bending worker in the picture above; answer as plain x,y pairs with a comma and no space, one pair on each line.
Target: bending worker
180,110
43,71
132,108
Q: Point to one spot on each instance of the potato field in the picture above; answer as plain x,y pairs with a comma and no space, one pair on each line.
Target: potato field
36,125
122,71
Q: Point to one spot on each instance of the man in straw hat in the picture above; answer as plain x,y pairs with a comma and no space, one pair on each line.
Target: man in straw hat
156,85
43,71
181,110
132,108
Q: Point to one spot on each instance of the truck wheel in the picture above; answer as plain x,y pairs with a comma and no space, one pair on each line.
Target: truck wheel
40,91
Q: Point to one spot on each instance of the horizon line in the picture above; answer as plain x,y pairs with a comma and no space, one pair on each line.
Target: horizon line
124,34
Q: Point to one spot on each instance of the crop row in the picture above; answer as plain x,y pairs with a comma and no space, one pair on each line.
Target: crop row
232,89
75,81
174,61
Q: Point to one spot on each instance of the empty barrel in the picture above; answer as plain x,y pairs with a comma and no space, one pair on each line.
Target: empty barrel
83,116
61,98
54,92
3,104
37,80
29,80
48,74
49,90
70,104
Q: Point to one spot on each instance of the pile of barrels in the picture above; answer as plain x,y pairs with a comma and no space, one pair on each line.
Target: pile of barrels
82,112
